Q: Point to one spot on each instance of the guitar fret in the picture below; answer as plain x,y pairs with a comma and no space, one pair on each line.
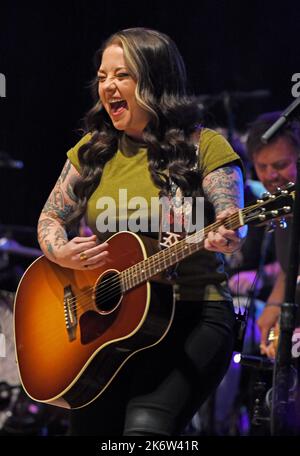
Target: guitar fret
159,262
123,281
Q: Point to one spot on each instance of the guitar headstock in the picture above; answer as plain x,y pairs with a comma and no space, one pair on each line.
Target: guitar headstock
271,206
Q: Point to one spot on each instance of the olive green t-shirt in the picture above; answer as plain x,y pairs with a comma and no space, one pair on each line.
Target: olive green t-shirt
126,180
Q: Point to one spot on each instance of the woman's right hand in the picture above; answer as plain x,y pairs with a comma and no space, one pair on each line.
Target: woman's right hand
83,253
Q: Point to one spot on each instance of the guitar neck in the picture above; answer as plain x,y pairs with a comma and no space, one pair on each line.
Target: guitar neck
266,208
162,260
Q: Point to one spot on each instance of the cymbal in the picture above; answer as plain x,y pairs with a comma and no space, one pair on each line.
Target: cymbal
13,247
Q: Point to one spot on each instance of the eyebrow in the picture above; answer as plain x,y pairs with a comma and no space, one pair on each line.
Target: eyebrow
116,69
282,160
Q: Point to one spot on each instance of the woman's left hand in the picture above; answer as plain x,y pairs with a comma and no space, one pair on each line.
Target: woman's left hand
224,240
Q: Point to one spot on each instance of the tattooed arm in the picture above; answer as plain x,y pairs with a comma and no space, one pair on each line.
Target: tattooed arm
224,189
52,234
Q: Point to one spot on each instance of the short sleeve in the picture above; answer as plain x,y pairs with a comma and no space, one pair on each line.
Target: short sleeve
72,154
215,151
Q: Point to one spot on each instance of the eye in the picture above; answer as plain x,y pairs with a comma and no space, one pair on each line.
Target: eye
123,75
281,165
100,78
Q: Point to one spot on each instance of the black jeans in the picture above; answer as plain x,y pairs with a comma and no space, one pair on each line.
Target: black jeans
159,389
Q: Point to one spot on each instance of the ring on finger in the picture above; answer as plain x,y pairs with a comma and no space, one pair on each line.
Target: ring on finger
82,256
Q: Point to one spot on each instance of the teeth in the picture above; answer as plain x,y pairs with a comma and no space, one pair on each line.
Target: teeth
116,101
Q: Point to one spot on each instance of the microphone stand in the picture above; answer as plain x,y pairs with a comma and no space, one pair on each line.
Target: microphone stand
282,367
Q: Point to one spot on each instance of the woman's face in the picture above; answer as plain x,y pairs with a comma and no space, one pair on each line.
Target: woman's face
117,93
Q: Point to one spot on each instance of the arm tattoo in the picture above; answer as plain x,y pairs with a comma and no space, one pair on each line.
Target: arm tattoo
65,171
224,188
60,237
56,206
54,216
49,248
44,228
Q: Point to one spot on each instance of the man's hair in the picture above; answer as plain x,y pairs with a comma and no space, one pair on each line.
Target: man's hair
290,131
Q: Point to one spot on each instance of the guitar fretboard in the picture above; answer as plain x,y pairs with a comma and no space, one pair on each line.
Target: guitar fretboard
159,262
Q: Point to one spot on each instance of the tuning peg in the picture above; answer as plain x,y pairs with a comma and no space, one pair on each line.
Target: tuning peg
287,209
266,195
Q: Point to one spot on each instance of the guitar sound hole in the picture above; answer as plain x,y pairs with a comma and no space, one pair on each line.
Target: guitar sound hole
108,292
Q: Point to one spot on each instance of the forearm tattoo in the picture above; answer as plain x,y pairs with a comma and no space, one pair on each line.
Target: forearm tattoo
44,228
60,237
61,202
224,188
65,171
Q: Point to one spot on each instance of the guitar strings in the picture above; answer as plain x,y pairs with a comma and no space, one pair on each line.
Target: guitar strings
112,291
130,273
180,246
115,282
83,299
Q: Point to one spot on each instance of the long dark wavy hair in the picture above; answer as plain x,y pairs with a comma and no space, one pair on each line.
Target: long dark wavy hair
155,63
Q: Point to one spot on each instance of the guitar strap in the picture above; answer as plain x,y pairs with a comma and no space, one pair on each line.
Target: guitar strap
175,216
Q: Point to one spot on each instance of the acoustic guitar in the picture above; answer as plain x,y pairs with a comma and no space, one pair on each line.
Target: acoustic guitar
75,329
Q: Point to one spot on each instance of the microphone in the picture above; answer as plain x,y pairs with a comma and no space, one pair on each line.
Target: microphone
259,362
281,121
8,163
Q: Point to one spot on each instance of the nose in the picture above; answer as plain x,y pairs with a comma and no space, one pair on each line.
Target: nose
110,85
271,173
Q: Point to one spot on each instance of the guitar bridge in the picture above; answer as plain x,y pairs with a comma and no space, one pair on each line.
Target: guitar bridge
70,310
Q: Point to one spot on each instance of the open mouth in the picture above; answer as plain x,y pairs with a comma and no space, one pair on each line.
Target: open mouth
117,107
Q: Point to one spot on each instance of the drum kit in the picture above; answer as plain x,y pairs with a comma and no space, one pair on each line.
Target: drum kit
11,394
19,415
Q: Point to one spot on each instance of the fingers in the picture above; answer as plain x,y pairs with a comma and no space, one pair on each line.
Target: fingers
223,240
93,250
79,245
101,260
264,337
265,346
226,212
83,239
228,234
268,350
94,257
265,323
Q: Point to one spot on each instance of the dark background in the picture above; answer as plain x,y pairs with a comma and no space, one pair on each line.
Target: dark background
46,53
